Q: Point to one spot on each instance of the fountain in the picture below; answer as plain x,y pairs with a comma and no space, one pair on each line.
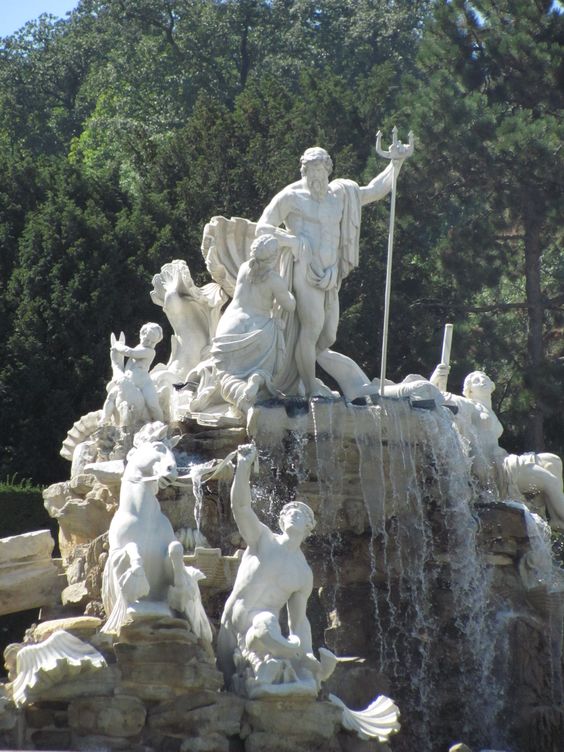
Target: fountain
413,560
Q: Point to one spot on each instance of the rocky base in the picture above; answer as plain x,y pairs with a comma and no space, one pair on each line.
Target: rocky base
161,692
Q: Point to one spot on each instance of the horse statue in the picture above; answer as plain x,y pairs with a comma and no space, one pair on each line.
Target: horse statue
145,574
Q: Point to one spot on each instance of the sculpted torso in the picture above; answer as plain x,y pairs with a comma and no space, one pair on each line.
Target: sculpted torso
318,221
269,575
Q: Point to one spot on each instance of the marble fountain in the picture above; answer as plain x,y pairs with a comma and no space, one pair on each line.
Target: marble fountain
254,560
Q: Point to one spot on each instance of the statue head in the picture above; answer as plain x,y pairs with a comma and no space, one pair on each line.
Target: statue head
150,334
297,514
316,154
475,383
264,253
316,166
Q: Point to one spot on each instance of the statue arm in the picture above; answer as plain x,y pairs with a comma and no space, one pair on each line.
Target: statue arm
282,295
272,217
380,186
138,351
249,525
298,622
439,377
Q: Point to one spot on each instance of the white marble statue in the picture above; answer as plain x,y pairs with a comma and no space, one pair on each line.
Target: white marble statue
255,657
320,222
248,347
132,396
193,313
145,574
517,475
378,721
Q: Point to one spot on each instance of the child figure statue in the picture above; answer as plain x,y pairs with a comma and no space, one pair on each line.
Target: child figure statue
132,396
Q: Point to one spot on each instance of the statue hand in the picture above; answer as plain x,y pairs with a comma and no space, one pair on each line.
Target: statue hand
303,250
295,650
399,152
246,454
439,377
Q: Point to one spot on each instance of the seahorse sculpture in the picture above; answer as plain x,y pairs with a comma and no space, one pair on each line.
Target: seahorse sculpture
145,572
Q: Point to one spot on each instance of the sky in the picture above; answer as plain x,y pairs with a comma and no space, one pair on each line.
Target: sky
15,13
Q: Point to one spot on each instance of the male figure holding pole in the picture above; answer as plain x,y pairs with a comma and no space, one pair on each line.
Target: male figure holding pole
321,225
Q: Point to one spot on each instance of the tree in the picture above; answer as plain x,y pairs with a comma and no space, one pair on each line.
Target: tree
488,113
123,129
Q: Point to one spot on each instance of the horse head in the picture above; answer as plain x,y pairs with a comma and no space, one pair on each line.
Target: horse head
151,457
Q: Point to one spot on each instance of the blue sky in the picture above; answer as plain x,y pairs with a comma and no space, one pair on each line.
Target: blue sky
15,13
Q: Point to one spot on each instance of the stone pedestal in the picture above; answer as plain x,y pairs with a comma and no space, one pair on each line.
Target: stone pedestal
287,725
29,577
161,659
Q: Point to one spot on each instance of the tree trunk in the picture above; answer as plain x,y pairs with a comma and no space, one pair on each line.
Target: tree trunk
535,306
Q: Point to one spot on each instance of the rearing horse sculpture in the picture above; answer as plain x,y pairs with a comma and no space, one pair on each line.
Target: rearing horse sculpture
145,570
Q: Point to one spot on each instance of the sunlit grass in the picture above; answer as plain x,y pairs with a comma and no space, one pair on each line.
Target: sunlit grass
15,484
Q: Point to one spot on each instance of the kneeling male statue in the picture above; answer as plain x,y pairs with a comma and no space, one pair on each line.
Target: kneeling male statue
255,657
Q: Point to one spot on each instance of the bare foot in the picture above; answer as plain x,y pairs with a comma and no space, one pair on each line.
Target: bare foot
253,385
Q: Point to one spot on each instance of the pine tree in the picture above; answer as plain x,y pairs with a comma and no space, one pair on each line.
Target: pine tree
487,108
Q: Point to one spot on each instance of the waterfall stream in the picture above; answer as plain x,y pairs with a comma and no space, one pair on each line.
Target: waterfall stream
434,631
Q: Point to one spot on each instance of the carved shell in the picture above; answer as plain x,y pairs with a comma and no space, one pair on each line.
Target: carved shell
378,721
61,657
80,431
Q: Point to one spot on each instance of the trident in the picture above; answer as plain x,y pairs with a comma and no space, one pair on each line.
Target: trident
397,151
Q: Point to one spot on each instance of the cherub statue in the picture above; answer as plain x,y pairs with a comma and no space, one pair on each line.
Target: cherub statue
132,396
517,475
255,657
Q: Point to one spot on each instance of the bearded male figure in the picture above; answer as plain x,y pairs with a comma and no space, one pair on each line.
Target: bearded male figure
321,226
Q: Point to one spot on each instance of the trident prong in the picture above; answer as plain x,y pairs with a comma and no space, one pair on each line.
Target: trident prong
397,150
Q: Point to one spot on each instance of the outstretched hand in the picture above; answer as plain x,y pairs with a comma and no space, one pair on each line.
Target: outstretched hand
246,454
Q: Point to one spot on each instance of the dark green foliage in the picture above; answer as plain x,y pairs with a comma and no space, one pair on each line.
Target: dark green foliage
490,122
124,128
23,512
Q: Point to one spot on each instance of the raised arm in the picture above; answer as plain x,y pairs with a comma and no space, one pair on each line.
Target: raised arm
139,351
379,186
249,525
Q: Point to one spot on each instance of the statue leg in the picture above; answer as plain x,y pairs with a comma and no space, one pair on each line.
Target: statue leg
250,392
265,636
552,463
329,332
534,478
226,646
178,592
311,313
108,408
152,402
177,571
132,580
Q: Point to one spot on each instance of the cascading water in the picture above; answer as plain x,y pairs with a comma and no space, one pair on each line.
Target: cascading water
433,596
541,577
408,507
